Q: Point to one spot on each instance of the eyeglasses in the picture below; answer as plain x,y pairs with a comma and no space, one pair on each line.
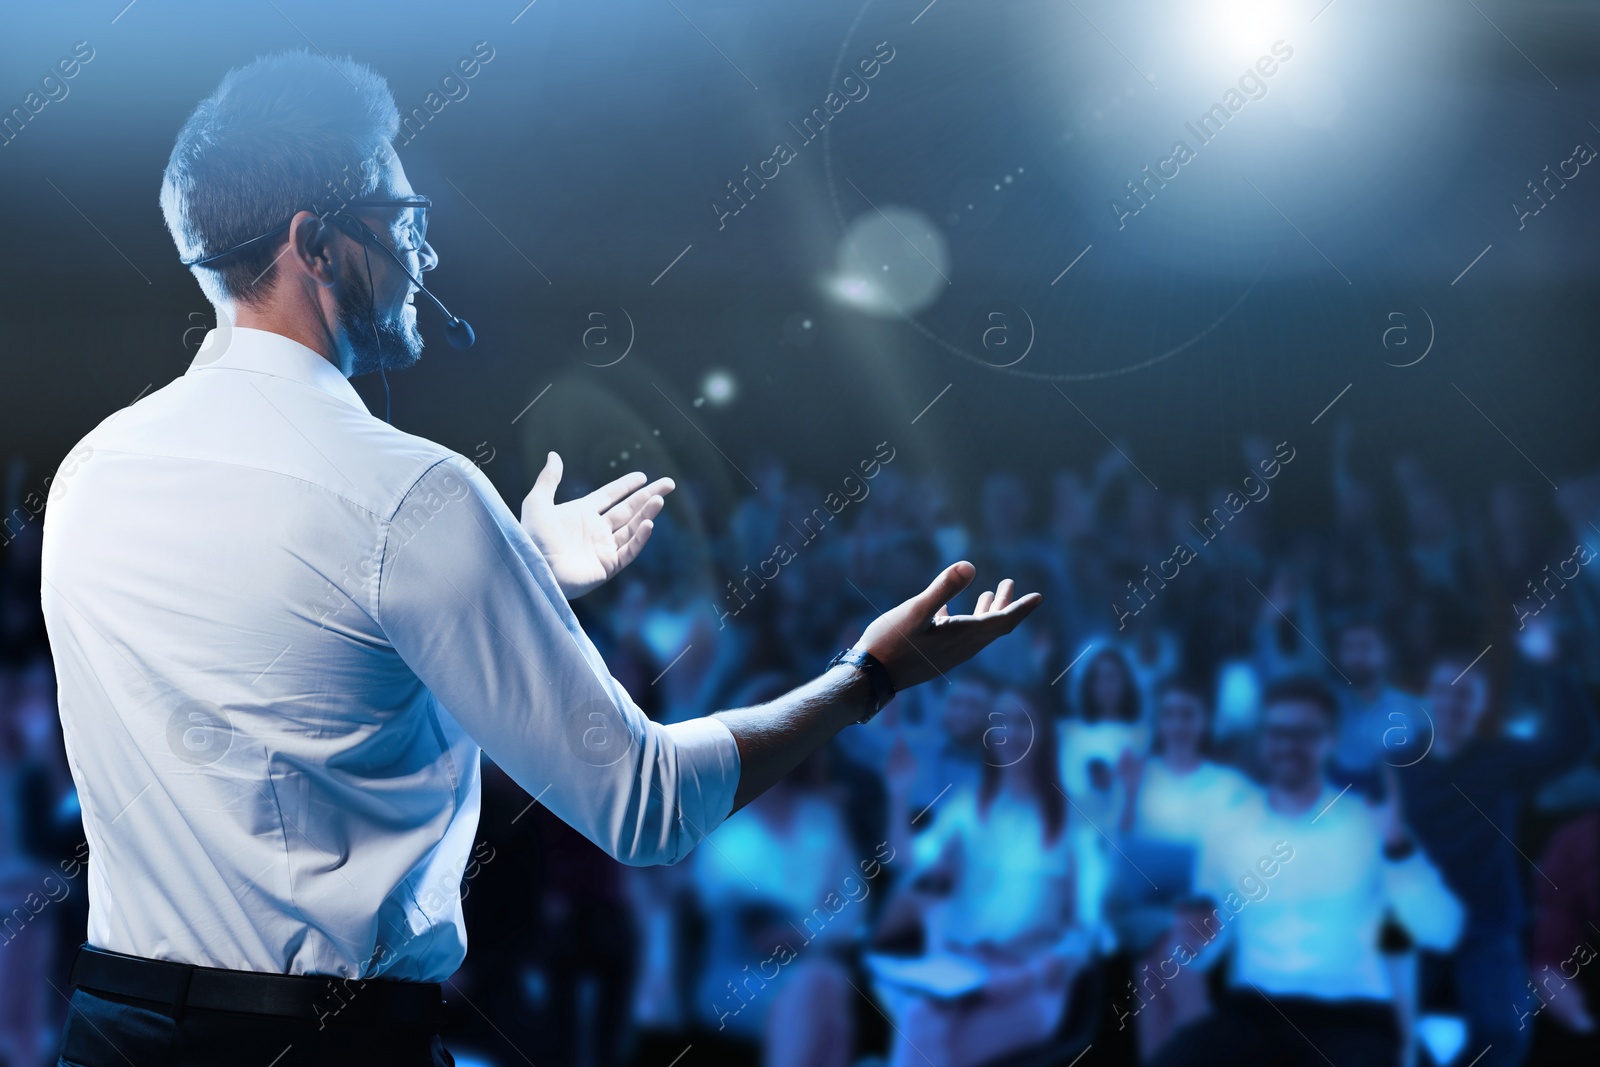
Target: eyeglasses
413,224
412,227
1304,735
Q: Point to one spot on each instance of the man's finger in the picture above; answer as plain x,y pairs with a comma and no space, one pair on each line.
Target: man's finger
606,497
649,510
944,588
1002,594
623,514
630,551
544,486
984,600
1004,619
1021,608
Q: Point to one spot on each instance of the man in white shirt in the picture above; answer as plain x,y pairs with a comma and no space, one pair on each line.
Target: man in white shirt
283,629
1300,879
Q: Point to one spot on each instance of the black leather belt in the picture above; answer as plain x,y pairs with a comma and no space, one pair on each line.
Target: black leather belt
328,999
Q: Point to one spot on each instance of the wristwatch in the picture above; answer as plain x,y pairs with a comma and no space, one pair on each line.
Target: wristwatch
882,686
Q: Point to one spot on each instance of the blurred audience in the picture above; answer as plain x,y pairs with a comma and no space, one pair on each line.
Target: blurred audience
1121,834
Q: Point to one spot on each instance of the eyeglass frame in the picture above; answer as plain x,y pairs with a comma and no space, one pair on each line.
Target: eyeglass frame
420,202
1295,734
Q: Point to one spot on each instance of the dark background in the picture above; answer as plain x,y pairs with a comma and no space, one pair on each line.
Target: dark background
595,140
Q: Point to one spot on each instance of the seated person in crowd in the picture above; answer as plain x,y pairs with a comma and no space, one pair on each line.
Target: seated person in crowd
1105,722
1105,718
1378,723
1462,801
1174,797
989,887
943,762
1300,880
783,895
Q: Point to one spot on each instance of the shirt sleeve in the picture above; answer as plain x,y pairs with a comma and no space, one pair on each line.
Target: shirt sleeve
1422,902
471,605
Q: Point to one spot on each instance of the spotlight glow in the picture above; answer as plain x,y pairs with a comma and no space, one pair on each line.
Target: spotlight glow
718,388
891,262
1240,28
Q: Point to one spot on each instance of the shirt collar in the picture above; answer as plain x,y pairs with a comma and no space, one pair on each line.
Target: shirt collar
264,352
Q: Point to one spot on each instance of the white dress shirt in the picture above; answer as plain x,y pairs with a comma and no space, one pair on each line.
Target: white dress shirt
1303,898
282,629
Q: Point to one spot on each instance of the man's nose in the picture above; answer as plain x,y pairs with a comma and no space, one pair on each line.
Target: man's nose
429,258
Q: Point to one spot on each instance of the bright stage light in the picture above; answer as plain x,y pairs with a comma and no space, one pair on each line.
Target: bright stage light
1240,28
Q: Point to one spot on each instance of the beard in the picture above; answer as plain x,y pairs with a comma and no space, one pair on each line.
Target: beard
376,343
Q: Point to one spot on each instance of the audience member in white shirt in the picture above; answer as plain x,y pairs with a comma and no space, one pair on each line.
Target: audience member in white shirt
991,885
1175,796
1105,722
1300,880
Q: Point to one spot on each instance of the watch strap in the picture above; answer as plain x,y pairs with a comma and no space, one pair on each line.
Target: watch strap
883,689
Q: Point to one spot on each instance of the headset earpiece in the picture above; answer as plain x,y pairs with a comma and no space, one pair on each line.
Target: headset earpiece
350,226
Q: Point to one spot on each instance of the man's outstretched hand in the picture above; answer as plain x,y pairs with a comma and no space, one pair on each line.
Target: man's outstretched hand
588,540
920,639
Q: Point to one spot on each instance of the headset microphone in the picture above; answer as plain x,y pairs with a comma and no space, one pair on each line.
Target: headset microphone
457,331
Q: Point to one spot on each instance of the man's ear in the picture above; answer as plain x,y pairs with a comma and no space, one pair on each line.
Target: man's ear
314,247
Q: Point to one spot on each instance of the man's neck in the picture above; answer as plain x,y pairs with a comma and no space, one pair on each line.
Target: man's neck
306,330
1296,799
1181,764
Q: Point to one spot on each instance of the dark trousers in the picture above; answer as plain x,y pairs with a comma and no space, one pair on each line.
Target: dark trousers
1248,1028
104,1030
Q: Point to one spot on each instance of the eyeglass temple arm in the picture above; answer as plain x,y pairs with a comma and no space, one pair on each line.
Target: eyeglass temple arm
367,237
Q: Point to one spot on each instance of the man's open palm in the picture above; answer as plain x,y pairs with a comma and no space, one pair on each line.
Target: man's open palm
588,540
920,638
